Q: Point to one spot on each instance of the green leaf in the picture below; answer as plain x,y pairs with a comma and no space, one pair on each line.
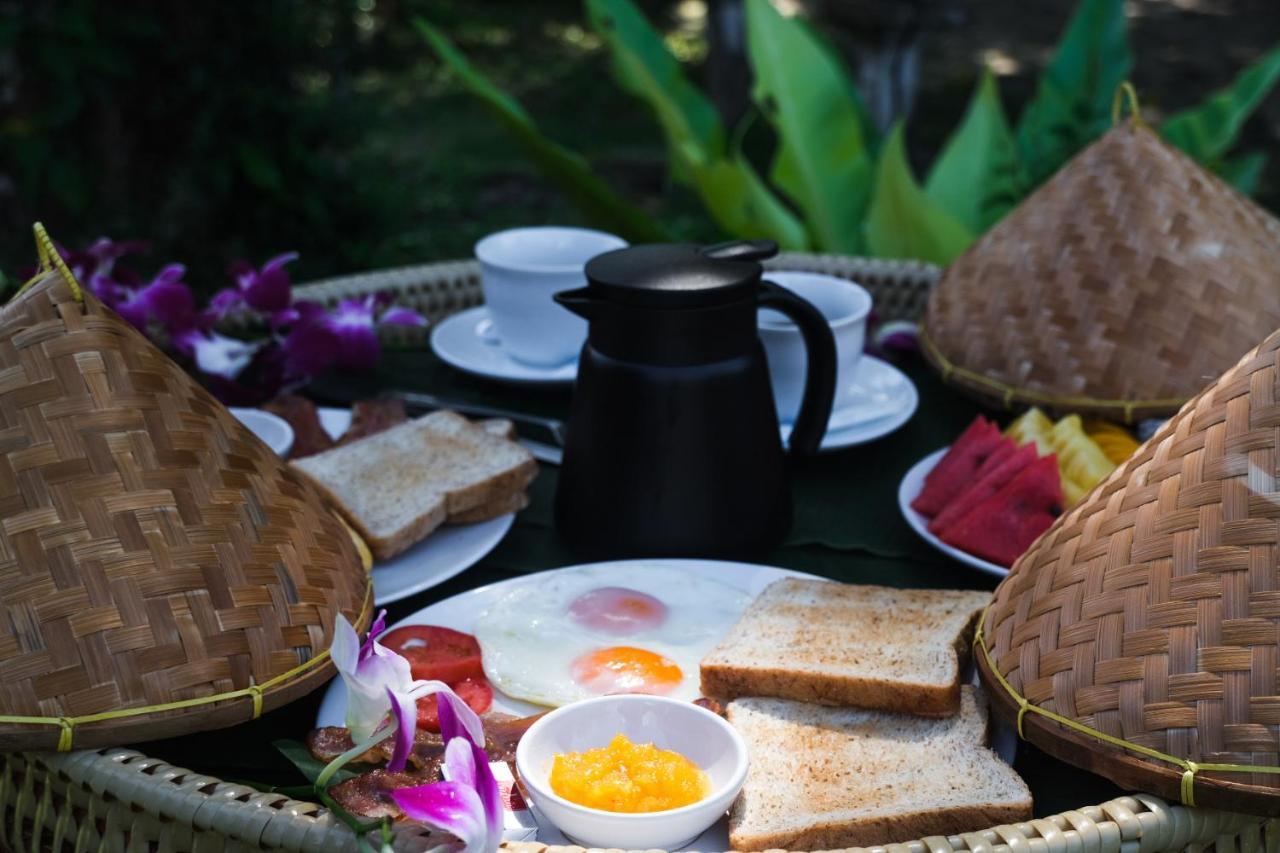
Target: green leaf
975,178
566,168
1243,171
308,765
903,222
1208,131
1072,103
823,162
735,196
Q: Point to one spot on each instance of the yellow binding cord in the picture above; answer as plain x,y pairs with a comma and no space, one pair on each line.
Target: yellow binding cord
51,260
1189,768
1126,94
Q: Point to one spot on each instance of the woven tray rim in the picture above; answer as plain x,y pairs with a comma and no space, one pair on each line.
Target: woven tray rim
241,813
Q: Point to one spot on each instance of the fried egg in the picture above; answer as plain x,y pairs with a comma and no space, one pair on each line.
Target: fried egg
589,633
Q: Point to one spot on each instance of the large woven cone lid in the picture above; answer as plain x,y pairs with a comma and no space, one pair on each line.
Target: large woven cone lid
161,570
1121,287
1142,630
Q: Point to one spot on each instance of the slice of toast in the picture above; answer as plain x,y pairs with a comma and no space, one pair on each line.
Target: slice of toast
513,502
397,486
841,644
829,778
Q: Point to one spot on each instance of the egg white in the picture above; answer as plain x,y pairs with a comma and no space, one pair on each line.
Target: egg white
528,640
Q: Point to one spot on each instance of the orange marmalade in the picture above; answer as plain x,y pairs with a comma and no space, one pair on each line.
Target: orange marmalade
628,777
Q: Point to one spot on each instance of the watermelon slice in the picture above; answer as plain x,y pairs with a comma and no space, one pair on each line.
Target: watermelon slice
954,471
1003,526
1000,468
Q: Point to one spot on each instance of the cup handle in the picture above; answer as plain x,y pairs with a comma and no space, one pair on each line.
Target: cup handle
820,371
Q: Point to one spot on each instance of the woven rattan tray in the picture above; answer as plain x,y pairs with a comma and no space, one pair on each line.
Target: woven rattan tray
119,799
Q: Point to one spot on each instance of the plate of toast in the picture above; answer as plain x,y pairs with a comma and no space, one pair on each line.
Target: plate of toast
854,702
430,496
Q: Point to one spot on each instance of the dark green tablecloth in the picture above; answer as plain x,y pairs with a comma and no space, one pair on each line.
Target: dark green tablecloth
847,527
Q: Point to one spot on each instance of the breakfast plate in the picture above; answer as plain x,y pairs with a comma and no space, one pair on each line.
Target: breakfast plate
514,604
883,400
442,555
466,340
908,489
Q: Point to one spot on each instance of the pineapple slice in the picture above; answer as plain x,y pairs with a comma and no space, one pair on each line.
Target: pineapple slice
1116,441
1080,460
1032,426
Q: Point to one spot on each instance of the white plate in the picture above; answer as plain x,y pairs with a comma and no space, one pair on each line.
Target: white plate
466,340
908,489
461,611
445,553
885,400
274,430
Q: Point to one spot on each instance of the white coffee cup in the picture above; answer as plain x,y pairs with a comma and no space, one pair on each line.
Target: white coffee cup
845,305
521,269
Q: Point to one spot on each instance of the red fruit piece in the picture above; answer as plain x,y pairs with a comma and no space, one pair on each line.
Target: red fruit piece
955,471
1002,527
476,692
1000,468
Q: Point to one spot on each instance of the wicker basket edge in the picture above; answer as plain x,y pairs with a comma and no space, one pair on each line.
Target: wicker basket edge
65,799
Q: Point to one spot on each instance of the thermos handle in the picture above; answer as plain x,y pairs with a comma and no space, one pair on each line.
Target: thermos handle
820,374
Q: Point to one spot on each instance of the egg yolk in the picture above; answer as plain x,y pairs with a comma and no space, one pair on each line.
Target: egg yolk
628,777
618,610
625,669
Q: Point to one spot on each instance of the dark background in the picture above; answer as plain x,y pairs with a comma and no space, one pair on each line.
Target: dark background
227,130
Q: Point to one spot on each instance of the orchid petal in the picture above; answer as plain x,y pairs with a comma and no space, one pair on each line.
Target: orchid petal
450,806
352,323
400,316
310,349
345,649
375,630
224,302
404,710
897,335
270,289
459,761
457,719
467,763
219,355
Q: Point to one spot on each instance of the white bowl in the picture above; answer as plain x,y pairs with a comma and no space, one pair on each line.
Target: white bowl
274,430
696,733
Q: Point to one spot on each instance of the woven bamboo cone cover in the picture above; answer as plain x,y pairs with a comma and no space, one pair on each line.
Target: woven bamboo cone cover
1150,612
1121,287
152,549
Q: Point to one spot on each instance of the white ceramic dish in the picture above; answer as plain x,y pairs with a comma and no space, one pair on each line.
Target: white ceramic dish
467,341
442,555
699,735
908,489
884,399
274,430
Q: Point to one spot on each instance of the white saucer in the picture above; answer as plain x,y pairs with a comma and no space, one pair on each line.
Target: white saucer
446,552
883,400
909,489
466,341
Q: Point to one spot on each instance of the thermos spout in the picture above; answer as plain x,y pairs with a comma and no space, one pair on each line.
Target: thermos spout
578,301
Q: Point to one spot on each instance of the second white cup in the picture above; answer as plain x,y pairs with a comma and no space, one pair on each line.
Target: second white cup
845,305
521,269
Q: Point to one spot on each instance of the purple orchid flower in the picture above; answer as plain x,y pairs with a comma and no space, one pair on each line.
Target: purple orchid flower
215,354
467,803
267,289
166,300
382,696
897,336
345,337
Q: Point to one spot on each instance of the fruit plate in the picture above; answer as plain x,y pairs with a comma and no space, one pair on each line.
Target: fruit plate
442,555
908,489
462,611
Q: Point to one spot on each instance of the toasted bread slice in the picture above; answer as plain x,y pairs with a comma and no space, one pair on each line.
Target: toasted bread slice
501,427
397,486
513,502
829,778
840,644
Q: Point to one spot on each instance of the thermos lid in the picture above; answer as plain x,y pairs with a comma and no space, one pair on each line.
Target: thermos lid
677,275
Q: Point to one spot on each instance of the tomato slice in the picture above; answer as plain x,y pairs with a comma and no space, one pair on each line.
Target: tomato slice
476,692
435,653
